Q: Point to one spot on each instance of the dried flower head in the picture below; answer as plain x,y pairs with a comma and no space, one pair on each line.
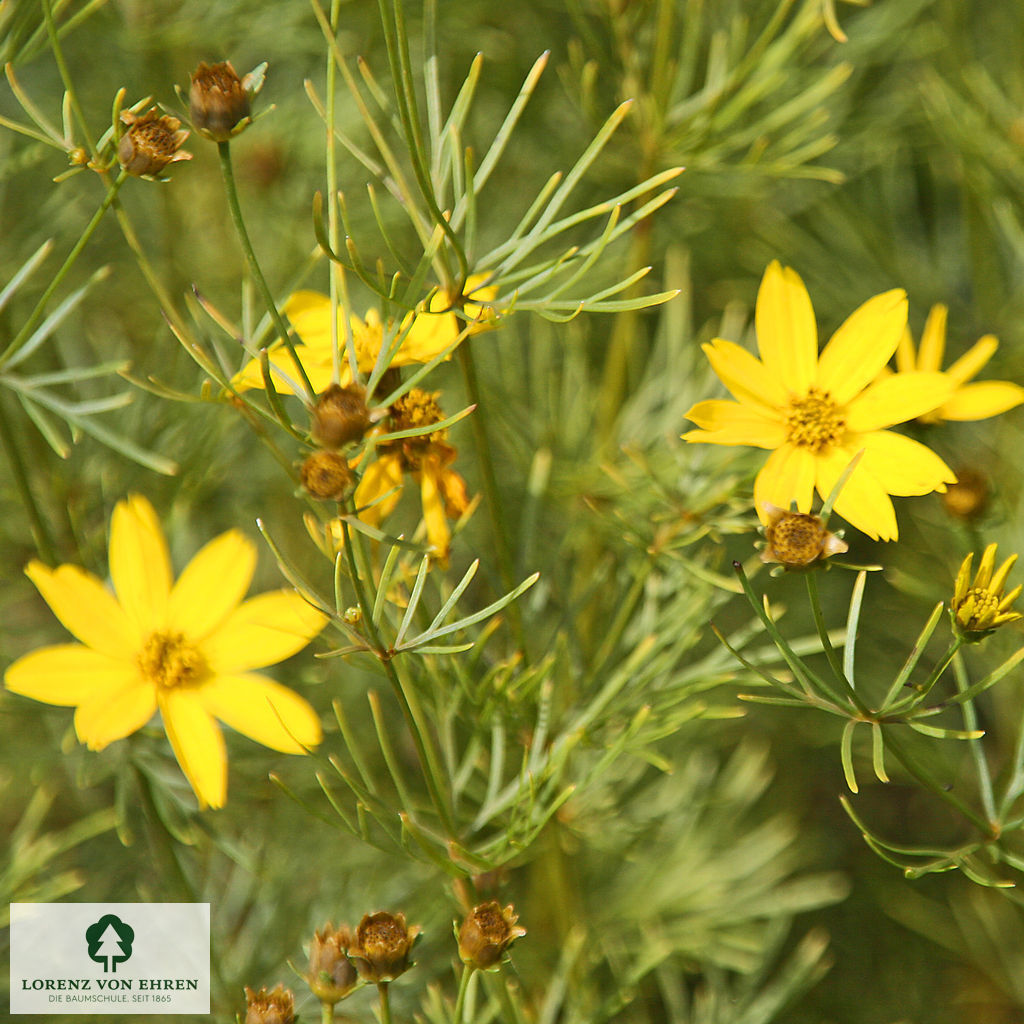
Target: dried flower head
980,606
797,540
967,499
219,101
340,416
274,1007
327,476
152,141
382,945
332,975
488,930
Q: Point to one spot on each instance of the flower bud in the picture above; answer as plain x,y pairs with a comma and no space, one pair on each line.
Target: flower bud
332,975
981,605
382,945
797,540
327,476
274,1007
340,416
219,102
151,142
486,933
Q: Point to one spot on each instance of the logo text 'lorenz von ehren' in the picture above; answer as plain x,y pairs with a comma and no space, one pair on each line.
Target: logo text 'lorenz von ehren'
110,941
110,958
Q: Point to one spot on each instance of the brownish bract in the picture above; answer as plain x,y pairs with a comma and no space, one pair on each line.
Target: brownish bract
382,945
219,102
332,975
274,1007
488,930
152,141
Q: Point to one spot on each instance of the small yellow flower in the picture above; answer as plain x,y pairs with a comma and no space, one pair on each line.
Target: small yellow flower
424,335
816,412
185,649
980,606
798,540
968,401
427,458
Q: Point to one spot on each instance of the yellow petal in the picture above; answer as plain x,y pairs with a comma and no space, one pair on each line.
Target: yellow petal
198,744
426,335
906,358
863,344
262,631
101,720
787,335
863,502
86,608
896,399
317,364
787,476
725,422
379,489
263,710
68,674
981,399
974,359
140,566
933,339
310,315
438,534
212,585
901,465
745,377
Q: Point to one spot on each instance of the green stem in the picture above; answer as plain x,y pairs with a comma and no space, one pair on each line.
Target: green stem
385,1002
404,694
224,150
45,546
327,1013
460,1001
37,314
977,749
492,499
922,691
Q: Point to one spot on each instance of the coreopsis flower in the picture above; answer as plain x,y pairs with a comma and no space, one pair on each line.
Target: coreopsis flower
486,932
815,412
427,458
152,141
969,401
381,946
274,1007
220,103
331,976
186,649
798,540
424,335
980,606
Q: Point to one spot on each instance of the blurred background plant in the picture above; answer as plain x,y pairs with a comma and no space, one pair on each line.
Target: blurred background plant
674,855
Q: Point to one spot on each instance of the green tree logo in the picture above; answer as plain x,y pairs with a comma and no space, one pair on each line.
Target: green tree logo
110,942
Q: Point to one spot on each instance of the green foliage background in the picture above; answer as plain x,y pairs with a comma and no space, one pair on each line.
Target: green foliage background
708,874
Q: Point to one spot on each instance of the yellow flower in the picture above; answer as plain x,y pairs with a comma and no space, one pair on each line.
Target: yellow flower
981,606
428,458
975,401
424,335
815,412
185,649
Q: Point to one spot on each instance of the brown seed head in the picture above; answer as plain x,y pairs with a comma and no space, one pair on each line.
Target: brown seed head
332,975
967,499
327,476
340,416
382,946
798,539
486,933
274,1007
151,142
219,103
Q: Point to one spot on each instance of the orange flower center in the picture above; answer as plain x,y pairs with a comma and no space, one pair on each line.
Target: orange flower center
168,660
815,422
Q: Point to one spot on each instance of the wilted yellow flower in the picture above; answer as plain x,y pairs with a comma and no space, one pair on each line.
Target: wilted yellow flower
327,476
152,141
424,335
816,412
274,1007
185,649
487,931
797,540
382,946
980,606
340,416
220,103
427,458
975,401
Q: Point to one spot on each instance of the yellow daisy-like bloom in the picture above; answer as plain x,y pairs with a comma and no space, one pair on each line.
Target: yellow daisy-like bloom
428,458
980,606
975,401
816,412
186,649
425,334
